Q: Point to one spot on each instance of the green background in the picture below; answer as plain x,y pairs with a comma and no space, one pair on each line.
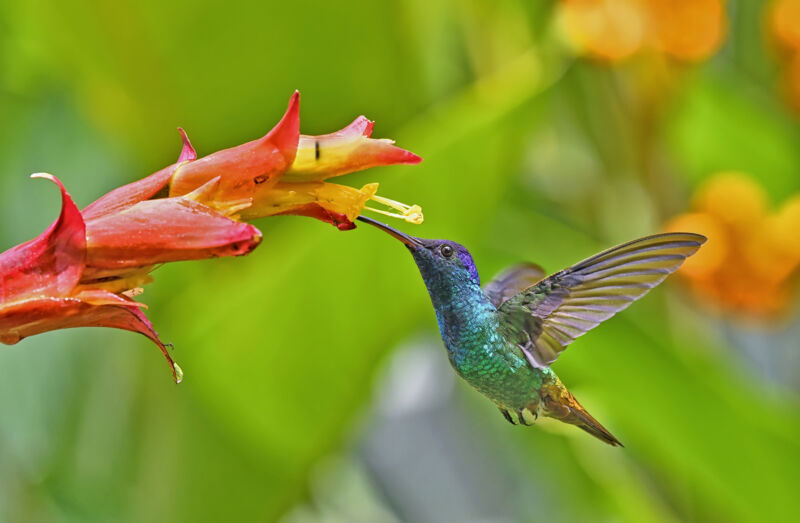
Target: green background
316,387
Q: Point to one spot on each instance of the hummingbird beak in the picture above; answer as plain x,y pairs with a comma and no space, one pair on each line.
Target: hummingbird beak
410,242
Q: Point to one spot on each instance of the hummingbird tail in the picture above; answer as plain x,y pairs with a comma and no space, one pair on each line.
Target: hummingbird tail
564,407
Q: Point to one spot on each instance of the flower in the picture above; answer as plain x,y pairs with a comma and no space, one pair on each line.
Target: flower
85,269
54,281
239,170
752,259
614,30
784,22
604,29
284,173
784,30
127,233
687,30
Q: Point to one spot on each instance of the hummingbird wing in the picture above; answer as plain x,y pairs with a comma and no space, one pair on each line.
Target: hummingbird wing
545,318
511,281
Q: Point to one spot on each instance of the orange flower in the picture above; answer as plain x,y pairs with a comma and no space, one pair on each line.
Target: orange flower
614,30
610,30
752,260
784,30
784,23
687,30
284,173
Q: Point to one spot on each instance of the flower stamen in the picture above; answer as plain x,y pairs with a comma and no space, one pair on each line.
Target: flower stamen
409,213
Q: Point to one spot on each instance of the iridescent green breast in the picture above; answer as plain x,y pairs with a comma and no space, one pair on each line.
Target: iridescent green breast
493,367
468,322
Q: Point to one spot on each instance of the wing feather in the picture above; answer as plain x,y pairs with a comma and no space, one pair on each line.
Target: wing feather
544,318
511,281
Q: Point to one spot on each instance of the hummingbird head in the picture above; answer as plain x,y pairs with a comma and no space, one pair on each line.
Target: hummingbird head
451,278
446,260
443,263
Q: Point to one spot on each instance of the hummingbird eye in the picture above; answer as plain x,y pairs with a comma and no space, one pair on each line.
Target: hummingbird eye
446,250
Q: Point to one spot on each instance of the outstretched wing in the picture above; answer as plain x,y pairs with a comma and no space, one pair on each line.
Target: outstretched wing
511,281
546,317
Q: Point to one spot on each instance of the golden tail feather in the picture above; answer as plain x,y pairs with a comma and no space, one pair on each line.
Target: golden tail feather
564,407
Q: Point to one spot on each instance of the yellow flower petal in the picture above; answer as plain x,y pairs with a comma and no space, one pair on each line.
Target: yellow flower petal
734,198
713,254
348,150
285,197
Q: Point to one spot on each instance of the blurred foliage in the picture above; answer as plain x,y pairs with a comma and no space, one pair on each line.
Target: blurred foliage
532,152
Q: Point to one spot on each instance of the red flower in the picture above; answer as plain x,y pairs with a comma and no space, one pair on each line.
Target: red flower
83,272
284,173
86,268
127,234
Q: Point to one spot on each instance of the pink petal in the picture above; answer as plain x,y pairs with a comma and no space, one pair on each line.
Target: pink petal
361,126
139,190
315,210
165,230
51,263
120,312
95,308
246,166
187,152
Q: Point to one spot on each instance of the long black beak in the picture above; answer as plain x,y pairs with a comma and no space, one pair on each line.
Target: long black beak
410,242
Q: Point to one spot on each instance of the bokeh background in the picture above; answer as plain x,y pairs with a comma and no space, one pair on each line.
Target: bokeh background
316,385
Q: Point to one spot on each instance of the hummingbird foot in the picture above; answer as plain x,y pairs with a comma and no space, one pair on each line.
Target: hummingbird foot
527,417
507,416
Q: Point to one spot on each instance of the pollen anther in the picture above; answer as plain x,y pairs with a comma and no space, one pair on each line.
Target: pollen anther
409,213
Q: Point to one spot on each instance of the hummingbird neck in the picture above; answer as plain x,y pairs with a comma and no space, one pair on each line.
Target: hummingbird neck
462,309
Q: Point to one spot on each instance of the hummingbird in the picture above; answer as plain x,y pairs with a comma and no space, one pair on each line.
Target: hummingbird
503,337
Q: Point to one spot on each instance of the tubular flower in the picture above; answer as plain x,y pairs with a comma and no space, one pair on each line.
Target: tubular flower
751,265
127,233
613,30
284,173
49,282
85,269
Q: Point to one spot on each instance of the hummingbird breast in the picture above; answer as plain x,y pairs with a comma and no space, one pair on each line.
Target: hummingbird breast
488,362
478,351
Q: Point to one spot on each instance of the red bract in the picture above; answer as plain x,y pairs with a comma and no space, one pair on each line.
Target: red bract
127,233
140,190
240,169
284,173
81,273
40,286
165,230
49,264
